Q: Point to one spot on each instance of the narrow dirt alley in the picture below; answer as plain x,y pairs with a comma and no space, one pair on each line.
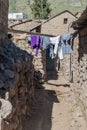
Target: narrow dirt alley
55,109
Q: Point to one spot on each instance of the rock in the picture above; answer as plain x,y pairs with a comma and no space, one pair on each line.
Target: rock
16,79
7,96
12,91
9,74
5,109
1,84
2,67
1,77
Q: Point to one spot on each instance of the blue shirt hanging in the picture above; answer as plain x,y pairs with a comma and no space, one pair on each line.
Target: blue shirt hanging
66,43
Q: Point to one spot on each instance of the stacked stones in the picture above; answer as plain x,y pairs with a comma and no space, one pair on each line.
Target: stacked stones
39,61
16,78
16,86
65,67
80,72
75,65
80,62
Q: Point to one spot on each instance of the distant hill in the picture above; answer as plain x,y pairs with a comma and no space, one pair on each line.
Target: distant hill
56,5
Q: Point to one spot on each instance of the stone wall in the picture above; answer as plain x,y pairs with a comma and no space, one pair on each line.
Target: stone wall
65,67
39,61
16,78
16,86
80,71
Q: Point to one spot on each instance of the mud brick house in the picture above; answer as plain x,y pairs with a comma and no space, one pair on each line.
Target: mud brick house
59,24
80,62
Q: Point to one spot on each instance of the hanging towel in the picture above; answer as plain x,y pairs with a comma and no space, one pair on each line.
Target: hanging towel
55,41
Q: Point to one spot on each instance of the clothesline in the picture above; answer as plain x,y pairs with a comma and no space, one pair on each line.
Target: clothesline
66,48
36,33
62,50
59,45
27,32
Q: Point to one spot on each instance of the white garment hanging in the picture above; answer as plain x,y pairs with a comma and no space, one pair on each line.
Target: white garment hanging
55,42
60,53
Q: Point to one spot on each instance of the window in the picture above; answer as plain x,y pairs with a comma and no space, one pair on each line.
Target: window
65,20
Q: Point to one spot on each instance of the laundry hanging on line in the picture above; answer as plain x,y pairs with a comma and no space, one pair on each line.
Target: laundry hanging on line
58,45
66,43
35,42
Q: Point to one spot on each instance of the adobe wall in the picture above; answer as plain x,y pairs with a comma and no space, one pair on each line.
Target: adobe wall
56,26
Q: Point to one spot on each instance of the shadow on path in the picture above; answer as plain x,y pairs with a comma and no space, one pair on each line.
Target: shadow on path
41,119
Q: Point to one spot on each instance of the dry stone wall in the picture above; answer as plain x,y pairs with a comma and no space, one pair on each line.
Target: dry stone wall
16,86
16,78
65,67
39,61
80,72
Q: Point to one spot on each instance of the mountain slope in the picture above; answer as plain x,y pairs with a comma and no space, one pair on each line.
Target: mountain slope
56,5
71,5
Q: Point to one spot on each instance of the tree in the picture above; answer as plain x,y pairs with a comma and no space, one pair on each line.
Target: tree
41,9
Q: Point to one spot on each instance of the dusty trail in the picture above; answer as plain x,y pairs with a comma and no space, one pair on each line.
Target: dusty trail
56,109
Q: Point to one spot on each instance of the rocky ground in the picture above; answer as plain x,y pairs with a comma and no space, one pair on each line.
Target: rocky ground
56,108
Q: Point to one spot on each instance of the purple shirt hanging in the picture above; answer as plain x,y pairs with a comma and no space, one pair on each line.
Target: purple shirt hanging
36,43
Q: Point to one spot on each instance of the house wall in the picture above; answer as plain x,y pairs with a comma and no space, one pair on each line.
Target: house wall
80,70
56,26
17,16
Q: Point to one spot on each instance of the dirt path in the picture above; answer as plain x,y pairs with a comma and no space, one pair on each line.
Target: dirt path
56,109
